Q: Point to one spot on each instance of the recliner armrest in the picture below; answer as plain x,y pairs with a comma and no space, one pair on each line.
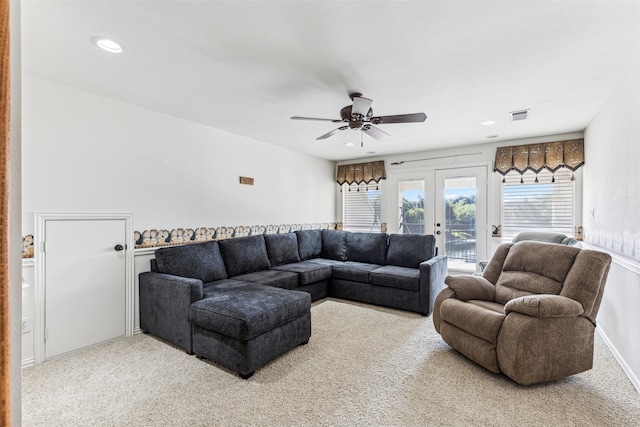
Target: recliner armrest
544,306
471,287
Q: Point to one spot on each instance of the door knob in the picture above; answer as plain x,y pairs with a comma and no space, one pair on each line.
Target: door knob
118,247
438,232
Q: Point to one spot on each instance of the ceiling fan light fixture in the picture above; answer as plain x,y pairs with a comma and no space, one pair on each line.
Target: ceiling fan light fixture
107,44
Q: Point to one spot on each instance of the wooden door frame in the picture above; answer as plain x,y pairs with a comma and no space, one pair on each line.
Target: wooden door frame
5,256
41,220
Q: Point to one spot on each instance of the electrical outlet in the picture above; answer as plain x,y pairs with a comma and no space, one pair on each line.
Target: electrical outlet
26,325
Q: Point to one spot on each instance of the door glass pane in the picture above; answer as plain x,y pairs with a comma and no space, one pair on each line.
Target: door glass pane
411,219
460,222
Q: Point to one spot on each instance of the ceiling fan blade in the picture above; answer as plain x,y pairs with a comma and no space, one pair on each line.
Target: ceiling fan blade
400,118
375,133
316,119
361,105
327,135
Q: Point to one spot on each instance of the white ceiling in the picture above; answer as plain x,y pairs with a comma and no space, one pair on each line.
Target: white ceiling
246,67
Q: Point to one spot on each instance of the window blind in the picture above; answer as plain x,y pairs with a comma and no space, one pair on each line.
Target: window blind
542,206
361,207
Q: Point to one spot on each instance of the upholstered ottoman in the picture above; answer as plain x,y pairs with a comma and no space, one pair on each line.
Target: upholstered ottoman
243,328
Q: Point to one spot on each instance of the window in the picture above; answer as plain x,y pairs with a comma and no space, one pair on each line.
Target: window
361,207
542,206
411,205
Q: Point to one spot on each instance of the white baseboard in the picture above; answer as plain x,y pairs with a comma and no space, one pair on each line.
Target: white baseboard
621,361
28,362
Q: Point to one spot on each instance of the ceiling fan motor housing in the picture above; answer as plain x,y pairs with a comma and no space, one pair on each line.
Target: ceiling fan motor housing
354,117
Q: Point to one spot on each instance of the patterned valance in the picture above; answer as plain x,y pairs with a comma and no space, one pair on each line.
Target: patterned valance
536,157
361,173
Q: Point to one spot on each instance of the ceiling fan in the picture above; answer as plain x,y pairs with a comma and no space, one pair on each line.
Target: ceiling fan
360,116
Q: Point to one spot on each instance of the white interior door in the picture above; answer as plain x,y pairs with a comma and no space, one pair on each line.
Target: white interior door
461,216
84,283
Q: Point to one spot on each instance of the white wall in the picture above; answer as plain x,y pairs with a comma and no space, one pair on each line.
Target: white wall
87,153
84,153
612,191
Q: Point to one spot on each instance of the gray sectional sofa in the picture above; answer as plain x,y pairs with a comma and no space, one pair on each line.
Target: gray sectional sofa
191,286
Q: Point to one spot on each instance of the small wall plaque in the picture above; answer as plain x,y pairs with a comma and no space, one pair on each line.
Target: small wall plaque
246,180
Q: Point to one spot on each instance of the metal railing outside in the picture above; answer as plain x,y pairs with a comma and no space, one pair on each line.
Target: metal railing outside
460,242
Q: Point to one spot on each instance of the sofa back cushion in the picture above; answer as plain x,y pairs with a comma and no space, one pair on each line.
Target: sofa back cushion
367,247
334,244
409,250
309,243
199,261
282,248
534,268
244,255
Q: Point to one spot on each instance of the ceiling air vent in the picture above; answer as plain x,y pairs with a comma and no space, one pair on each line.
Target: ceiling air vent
519,115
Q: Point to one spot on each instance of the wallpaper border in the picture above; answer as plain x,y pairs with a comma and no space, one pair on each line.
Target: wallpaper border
155,238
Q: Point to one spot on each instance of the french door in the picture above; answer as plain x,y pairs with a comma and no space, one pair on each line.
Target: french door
452,205
461,215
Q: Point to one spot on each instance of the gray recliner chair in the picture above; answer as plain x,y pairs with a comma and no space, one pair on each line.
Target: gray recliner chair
537,236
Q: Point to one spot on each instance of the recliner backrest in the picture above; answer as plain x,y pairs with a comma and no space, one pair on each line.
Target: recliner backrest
534,268
530,267
546,237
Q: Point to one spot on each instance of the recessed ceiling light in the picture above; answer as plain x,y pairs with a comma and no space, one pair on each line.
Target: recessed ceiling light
107,44
492,136
488,122
348,144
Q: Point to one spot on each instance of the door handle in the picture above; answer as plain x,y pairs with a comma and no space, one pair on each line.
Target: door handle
118,247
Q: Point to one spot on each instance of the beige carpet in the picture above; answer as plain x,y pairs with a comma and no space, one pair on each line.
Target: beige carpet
364,366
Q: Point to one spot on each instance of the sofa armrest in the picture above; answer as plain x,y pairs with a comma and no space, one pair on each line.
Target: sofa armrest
471,287
432,274
165,304
544,305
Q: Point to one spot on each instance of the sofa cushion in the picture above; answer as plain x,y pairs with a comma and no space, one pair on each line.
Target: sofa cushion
275,278
409,250
308,272
211,288
325,261
244,255
309,243
282,248
367,247
355,271
334,244
393,276
247,311
199,261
